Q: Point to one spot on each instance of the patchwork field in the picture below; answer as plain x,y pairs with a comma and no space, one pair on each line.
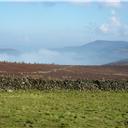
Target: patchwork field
63,109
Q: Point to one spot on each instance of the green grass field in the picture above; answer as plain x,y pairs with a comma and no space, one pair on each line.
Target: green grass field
63,109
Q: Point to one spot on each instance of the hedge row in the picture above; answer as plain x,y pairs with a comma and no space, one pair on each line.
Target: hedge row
16,83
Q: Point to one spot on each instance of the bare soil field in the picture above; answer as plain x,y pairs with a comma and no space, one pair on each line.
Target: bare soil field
51,71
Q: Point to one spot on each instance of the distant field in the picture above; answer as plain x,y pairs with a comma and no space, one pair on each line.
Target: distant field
51,71
63,109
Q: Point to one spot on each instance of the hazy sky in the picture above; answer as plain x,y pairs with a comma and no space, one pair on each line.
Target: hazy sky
31,25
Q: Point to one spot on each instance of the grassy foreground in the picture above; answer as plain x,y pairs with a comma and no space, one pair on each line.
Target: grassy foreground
63,109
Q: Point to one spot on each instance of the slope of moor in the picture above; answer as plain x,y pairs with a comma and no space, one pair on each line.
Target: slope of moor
51,71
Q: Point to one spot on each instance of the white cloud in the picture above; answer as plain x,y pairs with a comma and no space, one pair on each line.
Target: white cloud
114,23
114,26
104,28
113,3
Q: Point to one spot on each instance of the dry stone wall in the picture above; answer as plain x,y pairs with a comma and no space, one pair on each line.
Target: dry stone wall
25,83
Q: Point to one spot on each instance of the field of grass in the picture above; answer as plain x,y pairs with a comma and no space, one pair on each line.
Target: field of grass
63,109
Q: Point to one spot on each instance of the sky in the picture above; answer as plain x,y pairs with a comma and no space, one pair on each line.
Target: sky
54,24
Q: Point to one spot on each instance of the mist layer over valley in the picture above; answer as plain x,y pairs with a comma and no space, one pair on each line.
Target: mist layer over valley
93,53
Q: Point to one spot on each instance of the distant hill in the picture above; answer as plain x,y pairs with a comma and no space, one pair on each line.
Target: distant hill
99,52
9,51
121,62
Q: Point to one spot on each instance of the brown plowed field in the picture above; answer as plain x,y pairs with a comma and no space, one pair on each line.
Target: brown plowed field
51,71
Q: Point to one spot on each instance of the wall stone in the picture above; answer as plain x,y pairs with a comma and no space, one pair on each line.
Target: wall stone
25,83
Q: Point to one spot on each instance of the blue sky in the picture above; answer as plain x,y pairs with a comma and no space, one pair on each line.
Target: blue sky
31,25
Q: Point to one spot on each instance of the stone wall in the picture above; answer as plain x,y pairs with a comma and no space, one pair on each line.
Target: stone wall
24,83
